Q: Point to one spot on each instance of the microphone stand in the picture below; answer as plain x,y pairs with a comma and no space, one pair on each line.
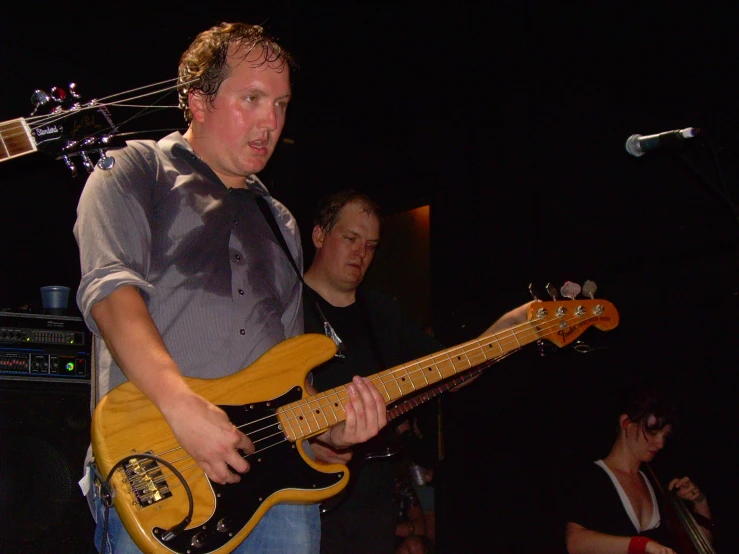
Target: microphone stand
723,191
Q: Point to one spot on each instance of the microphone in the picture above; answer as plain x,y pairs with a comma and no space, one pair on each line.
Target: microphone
637,145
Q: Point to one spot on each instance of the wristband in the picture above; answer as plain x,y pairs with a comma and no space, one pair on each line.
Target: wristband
638,545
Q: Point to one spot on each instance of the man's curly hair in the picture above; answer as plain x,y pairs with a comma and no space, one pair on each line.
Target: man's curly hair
204,65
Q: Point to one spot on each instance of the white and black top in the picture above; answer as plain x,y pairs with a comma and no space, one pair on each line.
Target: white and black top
596,500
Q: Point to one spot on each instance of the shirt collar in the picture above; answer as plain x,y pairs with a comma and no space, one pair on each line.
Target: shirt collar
174,145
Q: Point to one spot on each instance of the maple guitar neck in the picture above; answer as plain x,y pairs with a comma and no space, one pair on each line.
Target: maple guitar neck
15,139
560,322
415,401
267,402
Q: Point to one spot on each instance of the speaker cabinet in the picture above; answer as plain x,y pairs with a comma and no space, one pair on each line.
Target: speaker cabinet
44,434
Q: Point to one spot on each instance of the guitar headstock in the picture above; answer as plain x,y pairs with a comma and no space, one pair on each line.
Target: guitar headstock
62,126
568,315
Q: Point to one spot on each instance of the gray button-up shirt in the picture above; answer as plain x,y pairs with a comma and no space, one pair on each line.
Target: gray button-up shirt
217,283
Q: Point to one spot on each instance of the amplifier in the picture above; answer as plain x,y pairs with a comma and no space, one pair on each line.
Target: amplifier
44,347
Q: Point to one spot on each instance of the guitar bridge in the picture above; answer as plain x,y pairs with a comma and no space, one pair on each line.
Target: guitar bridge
147,481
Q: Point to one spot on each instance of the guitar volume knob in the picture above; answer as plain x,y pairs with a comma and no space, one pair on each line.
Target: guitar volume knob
199,539
224,525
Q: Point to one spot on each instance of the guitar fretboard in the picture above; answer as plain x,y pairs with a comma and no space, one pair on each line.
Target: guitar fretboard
15,139
428,394
317,413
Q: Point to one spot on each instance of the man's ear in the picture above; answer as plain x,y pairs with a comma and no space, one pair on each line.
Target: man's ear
198,105
318,236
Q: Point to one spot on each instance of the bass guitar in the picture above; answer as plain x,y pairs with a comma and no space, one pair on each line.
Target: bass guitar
166,502
381,447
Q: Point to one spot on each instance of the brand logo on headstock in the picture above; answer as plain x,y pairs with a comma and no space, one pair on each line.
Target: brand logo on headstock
566,332
50,130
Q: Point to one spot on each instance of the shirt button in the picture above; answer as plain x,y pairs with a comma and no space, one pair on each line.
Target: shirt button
243,331
236,223
241,292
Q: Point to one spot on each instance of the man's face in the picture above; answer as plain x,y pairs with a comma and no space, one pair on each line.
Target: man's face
346,252
238,133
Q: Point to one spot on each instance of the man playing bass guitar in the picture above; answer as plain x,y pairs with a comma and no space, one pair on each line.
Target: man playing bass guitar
374,334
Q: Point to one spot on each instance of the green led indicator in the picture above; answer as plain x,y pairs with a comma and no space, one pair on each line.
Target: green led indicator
70,367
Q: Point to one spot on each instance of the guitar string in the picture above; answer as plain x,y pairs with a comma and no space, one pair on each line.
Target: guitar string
530,329
38,121
412,402
473,348
409,404
535,330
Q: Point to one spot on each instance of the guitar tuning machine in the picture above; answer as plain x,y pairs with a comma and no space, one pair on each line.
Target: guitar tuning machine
73,91
105,162
589,288
552,290
58,94
533,293
70,165
87,162
39,98
570,290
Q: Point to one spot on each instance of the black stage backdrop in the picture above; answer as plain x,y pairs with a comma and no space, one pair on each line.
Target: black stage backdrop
510,122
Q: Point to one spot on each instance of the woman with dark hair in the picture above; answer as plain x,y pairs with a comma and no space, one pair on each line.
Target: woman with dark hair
614,508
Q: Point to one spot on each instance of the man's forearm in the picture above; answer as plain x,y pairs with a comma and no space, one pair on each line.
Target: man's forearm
136,344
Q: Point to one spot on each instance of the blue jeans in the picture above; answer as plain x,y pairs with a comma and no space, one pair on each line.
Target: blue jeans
284,529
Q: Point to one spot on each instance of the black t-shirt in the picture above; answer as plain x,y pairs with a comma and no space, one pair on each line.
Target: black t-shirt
397,340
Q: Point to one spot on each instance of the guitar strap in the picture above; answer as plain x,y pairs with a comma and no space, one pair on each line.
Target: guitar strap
327,328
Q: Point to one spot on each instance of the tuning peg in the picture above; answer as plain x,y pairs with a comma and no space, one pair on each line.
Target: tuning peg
552,290
58,94
73,90
39,98
87,162
105,162
570,290
70,165
533,293
589,288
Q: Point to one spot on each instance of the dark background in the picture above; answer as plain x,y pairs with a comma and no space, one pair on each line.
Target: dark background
510,123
